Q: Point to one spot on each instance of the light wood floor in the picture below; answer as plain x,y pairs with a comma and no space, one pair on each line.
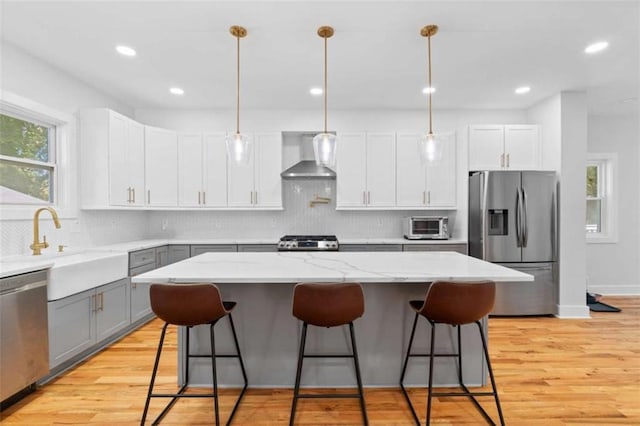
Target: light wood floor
549,372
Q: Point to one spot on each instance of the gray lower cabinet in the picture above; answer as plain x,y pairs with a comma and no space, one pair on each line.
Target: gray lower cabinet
257,247
197,249
460,248
370,247
178,252
140,303
162,256
78,322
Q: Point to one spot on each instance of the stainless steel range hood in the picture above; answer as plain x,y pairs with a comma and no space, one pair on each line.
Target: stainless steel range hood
306,168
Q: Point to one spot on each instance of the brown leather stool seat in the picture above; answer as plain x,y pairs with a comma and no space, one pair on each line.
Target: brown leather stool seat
190,305
455,304
328,305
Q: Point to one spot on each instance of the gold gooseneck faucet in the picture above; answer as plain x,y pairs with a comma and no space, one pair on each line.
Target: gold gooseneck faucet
37,245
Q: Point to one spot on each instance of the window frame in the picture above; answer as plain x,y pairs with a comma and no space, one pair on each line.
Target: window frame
607,184
61,152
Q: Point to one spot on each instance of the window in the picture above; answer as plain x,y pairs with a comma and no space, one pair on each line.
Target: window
27,161
600,209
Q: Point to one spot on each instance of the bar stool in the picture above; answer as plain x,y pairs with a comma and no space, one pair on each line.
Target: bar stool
189,305
455,304
328,305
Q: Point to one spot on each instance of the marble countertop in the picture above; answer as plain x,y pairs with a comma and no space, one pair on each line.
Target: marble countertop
287,267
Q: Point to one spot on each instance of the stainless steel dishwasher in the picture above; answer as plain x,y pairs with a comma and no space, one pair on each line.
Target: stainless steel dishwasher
24,334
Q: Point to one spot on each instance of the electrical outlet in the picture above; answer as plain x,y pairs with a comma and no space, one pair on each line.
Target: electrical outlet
165,224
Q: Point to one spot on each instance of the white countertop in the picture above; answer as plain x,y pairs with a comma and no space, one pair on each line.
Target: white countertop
20,264
286,267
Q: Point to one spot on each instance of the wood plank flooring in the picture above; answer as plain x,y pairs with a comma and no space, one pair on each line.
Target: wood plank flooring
549,372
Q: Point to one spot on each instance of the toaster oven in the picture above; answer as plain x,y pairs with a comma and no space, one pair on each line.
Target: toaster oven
426,228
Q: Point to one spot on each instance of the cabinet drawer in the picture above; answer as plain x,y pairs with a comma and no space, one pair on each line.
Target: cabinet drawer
217,248
141,269
371,247
142,257
257,247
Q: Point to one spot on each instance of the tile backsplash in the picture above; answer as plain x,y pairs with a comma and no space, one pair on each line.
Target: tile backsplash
296,218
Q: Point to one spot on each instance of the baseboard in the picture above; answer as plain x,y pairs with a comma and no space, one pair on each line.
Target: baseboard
615,290
573,311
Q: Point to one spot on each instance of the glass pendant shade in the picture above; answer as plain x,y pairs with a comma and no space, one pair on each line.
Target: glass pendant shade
324,149
430,148
239,148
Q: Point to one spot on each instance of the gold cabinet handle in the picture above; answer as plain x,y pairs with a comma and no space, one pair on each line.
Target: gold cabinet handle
204,198
424,197
368,197
133,286
364,198
199,202
128,194
148,196
256,198
133,191
501,160
429,197
507,160
101,301
94,303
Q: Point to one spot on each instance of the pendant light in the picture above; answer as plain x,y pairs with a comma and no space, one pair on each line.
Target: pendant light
238,144
324,144
430,145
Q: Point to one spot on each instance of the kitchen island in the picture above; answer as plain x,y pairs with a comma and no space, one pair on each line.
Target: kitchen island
262,284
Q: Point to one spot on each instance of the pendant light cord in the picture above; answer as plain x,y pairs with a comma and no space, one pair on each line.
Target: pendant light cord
430,88
238,88
325,84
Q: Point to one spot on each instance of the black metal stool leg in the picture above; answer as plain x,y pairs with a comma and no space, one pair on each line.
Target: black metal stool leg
430,390
296,388
215,378
358,377
459,355
244,373
493,381
404,370
153,374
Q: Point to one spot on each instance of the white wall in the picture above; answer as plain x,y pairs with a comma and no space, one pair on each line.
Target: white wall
611,267
297,217
36,80
563,118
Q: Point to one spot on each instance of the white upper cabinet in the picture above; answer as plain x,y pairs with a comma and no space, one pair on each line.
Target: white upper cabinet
202,170
112,159
424,187
499,147
161,167
366,168
258,184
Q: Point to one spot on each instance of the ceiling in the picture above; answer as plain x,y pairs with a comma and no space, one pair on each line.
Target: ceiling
376,59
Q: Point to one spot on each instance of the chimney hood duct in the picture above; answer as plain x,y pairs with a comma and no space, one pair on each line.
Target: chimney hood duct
306,168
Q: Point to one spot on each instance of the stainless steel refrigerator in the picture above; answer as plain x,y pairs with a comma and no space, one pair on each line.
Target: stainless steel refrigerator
512,222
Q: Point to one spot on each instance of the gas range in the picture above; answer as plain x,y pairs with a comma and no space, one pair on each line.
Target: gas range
308,243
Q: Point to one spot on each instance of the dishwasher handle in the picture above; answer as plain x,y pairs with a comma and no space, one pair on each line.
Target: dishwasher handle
23,282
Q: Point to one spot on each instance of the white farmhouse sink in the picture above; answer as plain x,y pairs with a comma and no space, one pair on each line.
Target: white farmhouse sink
73,271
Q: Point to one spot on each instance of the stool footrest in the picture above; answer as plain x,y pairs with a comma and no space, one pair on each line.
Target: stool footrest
182,395
462,394
209,356
328,356
435,355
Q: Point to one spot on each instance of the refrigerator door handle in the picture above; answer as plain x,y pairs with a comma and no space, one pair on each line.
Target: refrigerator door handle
518,219
525,227
484,185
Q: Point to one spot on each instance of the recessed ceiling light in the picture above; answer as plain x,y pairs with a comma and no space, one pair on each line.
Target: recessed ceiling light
126,50
176,91
596,47
428,90
316,91
522,90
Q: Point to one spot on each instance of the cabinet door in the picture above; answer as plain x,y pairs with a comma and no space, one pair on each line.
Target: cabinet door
441,177
71,326
112,311
410,173
257,247
268,165
215,171
460,248
240,183
178,253
119,185
135,162
521,146
381,169
140,303
161,167
351,173
190,170
162,256
486,147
